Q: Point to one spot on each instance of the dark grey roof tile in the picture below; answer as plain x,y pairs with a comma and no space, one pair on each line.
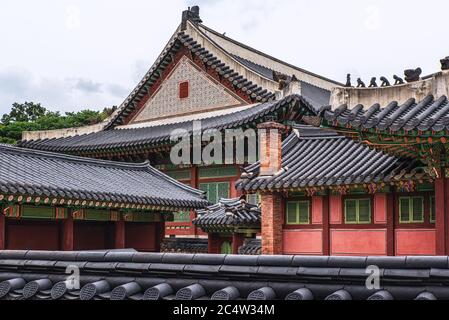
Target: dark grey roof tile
313,157
29,172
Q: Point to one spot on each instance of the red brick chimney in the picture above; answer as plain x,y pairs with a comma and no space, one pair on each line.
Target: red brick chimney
270,147
270,155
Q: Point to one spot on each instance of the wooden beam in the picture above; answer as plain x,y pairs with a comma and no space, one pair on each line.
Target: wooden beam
392,210
326,225
441,197
119,237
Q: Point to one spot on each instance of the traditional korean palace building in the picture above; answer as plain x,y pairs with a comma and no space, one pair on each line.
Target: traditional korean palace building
358,171
201,75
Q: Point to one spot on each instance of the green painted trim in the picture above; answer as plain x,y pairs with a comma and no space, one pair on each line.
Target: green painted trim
146,217
180,175
97,215
32,212
425,187
206,173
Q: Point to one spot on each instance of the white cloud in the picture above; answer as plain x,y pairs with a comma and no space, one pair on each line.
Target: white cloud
109,44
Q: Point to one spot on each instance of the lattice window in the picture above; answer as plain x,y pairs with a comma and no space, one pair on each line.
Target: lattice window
298,212
216,190
358,211
411,209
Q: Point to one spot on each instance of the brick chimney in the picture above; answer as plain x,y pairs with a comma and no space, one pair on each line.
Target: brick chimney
270,147
270,155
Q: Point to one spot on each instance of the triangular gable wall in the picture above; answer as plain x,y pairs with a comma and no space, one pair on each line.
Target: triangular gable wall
203,94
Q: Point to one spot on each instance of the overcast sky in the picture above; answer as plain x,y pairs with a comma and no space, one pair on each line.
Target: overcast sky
75,54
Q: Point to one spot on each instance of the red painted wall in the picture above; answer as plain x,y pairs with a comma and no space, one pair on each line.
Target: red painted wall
358,242
32,235
317,210
141,236
380,208
415,242
93,235
335,208
307,242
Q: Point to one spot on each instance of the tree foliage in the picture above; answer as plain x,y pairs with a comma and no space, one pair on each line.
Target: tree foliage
31,116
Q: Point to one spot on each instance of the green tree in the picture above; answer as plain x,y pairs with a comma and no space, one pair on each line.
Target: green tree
33,117
24,112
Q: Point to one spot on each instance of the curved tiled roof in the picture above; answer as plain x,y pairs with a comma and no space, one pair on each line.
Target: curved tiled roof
119,139
313,157
228,215
130,275
429,114
251,247
25,172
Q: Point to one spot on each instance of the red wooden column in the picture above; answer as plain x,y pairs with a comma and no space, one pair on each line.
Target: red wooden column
194,184
214,243
237,241
119,235
326,225
392,211
67,234
160,235
234,192
2,231
441,209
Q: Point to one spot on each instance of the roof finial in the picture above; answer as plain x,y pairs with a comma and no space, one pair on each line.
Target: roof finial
412,75
445,63
192,14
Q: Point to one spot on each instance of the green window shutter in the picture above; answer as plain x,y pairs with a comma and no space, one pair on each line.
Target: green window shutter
223,190
404,209
292,213
351,211
205,187
304,212
364,211
433,216
418,209
213,193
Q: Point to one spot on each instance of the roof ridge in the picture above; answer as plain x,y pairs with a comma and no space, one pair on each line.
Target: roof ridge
267,55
